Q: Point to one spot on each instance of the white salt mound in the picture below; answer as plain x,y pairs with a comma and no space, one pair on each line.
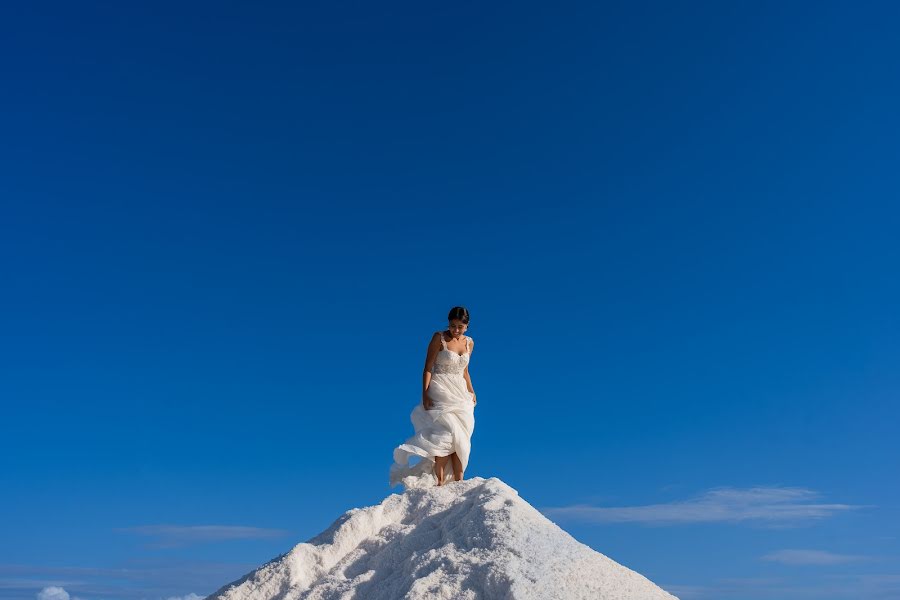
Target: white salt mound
471,539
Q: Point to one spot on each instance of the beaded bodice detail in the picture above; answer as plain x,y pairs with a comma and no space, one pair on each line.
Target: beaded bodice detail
449,362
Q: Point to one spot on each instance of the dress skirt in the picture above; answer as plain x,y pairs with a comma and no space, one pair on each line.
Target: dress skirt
444,429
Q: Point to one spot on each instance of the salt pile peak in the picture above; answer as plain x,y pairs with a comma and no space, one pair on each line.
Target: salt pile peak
471,539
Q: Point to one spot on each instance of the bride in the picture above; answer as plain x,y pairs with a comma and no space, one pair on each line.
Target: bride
445,419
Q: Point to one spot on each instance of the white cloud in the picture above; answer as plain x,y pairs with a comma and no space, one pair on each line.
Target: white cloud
53,592
141,580
191,596
811,557
767,504
827,587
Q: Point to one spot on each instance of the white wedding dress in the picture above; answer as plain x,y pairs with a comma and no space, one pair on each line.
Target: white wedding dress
444,429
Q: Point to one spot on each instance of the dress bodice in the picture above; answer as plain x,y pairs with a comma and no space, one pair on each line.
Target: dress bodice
449,362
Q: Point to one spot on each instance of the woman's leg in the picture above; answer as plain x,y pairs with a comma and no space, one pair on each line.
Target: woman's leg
439,463
457,467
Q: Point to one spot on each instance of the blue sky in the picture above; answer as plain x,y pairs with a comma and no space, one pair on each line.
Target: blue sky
228,231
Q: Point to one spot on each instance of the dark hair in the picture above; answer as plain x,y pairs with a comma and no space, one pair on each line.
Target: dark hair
459,312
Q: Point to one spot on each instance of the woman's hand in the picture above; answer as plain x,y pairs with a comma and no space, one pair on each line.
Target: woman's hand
426,401
474,401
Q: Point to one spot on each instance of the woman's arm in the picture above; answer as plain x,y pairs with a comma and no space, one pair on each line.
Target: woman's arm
434,346
466,371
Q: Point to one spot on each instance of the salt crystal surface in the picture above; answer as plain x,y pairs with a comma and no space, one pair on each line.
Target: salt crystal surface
474,539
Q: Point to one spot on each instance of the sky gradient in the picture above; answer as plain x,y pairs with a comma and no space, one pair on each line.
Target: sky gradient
228,232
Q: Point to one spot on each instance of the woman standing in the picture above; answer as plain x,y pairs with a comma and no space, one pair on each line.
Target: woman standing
445,419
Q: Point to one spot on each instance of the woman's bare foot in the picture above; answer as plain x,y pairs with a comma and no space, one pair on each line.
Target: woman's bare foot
439,463
457,467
